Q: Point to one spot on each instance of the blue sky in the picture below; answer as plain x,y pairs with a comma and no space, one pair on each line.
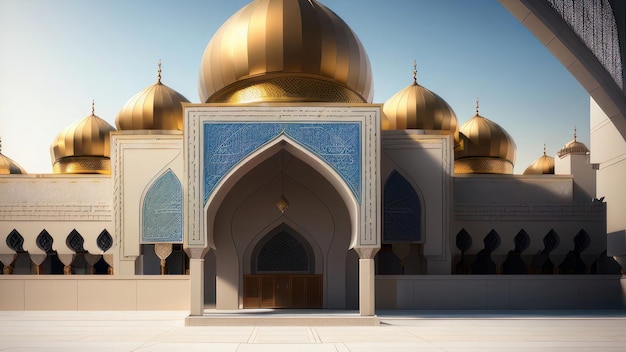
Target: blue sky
56,56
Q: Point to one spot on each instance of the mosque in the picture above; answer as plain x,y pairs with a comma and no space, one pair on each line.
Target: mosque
287,187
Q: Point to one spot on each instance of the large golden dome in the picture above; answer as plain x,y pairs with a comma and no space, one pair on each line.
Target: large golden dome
285,50
485,147
8,166
544,165
416,107
83,148
157,107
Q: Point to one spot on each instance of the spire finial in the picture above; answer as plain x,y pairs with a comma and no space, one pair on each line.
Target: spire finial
159,72
477,106
574,133
93,106
0,145
544,149
414,71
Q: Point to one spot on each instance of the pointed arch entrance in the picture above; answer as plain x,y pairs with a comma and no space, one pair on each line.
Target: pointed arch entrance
234,183
273,259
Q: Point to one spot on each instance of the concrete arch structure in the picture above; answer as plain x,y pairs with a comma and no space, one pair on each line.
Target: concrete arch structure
229,202
589,39
246,212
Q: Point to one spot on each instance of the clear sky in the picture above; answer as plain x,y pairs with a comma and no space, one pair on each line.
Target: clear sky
56,56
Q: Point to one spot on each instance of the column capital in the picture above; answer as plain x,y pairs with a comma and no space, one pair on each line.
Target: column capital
366,252
197,253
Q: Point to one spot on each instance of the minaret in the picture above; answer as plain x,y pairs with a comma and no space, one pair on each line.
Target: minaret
574,159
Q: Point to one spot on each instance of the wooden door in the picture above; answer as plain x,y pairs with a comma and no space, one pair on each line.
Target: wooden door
282,291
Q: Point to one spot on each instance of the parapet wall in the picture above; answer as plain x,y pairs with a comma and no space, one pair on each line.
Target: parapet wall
494,292
94,292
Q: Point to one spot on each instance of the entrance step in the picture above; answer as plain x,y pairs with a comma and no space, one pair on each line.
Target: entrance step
281,317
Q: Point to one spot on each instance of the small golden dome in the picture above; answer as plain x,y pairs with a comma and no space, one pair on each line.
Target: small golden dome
573,147
157,107
8,166
416,107
285,51
485,147
83,148
544,165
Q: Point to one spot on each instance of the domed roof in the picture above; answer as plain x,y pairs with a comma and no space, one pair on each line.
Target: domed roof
83,148
542,166
158,107
573,147
8,166
416,107
285,50
485,148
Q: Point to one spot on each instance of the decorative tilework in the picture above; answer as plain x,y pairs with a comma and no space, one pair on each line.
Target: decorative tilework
163,211
226,144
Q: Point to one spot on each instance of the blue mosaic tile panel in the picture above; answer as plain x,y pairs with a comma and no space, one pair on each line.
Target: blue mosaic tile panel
226,144
163,211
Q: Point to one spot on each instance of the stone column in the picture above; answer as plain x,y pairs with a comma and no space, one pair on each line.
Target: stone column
367,278
38,259
196,280
67,260
163,250
7,260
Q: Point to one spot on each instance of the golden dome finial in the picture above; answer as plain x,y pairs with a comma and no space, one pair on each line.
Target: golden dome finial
0,145
414,72
93,107
544,149
477,106
159,72
574,133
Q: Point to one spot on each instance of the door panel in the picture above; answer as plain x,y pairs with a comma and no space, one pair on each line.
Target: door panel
314,291
298,292
267,291
251,291
282,291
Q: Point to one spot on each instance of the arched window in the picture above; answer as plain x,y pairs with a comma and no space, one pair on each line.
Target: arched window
15,241
162,216
283,250
402,211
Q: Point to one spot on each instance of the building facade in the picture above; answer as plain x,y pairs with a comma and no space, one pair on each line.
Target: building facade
287,187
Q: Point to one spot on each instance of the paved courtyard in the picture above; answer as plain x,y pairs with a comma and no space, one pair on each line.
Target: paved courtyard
399,331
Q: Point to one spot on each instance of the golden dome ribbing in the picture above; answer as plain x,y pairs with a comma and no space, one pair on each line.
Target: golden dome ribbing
485,148
158,107
544,165
8,166
83,148
285,50
573,147
416,107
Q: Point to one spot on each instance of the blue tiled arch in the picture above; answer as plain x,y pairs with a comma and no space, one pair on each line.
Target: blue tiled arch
162,211
226,144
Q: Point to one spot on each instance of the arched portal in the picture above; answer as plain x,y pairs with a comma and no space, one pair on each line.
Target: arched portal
270,258
234,182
